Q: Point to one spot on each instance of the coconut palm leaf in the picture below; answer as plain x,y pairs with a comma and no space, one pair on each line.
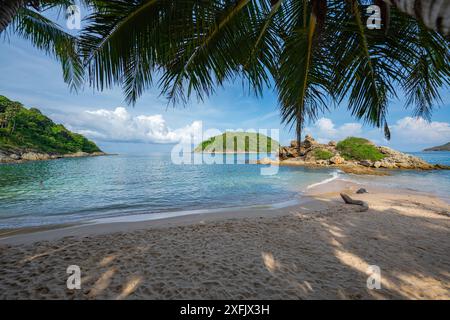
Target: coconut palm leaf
426,70
312,49
371,65
118,43
361,73
48,36
303,79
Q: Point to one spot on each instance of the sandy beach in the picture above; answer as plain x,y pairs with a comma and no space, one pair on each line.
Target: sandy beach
318,249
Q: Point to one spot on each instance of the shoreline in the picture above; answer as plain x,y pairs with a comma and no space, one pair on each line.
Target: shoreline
27,235
162,215
319,249
45,157
347,168
307,199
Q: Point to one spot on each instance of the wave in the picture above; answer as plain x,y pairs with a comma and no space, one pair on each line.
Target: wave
334,175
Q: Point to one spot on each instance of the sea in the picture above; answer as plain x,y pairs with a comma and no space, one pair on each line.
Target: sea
132,187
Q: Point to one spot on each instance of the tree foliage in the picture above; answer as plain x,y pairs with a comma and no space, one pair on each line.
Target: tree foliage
35,131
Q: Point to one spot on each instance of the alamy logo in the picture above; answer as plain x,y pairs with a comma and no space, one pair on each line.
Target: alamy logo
374,279
374,20
74,280
73,15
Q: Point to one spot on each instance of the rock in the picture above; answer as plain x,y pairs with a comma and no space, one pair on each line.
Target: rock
292,152
403,165
392,159
21,156
349,200
309,142
361,190
385,163
386,150
33,156
5,159
357,169
264,161
282,153
366,163
337,159
441,166
294,144
78,154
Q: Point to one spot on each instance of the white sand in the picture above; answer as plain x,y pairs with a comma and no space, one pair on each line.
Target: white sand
316,250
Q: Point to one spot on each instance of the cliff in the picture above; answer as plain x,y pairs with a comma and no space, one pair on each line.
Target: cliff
27,134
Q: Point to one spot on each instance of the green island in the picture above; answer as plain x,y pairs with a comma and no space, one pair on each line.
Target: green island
239,142
27,134
444,147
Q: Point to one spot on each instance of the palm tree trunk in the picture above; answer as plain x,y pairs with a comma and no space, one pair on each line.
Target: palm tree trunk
8,10
298,131
13,127
435,14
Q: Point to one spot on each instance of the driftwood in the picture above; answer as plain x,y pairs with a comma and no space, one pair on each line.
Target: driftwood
349,200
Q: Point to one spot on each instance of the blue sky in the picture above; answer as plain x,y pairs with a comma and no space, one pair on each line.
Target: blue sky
31,77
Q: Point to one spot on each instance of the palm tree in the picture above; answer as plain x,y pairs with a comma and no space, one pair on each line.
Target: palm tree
315,51
434,14
25,19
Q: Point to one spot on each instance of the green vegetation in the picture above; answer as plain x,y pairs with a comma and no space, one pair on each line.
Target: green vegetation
354,148
323,154
22,128
239,142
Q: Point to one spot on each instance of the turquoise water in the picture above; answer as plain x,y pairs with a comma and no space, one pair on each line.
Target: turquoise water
436,182
68,190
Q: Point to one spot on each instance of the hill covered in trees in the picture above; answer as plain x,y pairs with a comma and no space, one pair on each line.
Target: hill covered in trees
25,131
239,142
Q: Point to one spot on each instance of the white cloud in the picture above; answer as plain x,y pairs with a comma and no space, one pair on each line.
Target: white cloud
120,125
418,130
406,134
325,130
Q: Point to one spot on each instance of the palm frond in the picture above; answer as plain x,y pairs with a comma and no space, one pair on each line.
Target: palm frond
362,72
50,37
303,81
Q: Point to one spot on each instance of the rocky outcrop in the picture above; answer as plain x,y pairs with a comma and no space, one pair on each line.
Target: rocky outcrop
33,156
311,151
337,159
309,142
18,156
